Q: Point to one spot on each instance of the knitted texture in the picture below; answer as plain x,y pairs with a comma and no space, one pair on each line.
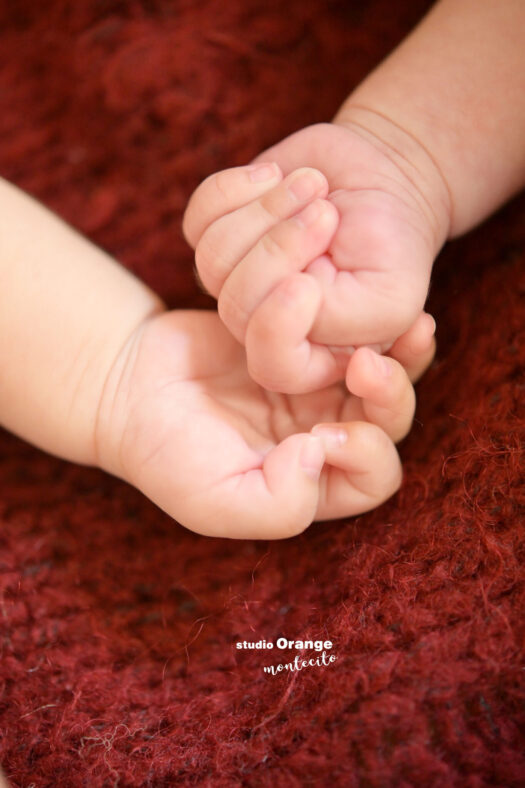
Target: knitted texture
118,626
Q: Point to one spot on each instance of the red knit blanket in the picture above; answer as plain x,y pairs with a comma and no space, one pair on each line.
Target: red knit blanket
118,627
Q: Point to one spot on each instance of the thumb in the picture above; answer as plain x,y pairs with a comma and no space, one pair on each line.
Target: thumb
291,472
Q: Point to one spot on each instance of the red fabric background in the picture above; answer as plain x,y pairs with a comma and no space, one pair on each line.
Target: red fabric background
118,659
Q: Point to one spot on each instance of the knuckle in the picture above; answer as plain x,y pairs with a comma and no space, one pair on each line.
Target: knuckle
290,292
186,225
231,312
203,256
192,218
269,205
221,185
273,244
209,264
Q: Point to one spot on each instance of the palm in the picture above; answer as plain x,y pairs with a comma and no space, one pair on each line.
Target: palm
198,428
384,247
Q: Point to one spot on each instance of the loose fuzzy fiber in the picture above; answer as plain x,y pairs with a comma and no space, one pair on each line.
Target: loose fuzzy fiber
118,663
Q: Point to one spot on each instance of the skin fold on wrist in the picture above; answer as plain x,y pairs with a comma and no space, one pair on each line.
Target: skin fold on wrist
110,417
411,158
455,85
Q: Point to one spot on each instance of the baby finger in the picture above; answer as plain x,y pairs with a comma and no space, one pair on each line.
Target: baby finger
387,396
279,355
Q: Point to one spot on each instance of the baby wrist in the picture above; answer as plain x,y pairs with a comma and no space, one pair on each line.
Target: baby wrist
411,158
110,419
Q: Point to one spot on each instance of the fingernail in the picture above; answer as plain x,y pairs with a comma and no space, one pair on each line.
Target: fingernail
310,214
262,172
332,437
312,457
306,186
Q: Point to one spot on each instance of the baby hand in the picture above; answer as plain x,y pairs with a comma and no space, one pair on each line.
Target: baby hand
182,420
251,259
370,248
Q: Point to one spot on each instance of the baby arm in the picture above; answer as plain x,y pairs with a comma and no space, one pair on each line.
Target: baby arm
95,370
426,147
66,311
453,92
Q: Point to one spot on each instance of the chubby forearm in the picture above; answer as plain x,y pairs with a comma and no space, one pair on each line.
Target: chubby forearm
66,310
455,89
